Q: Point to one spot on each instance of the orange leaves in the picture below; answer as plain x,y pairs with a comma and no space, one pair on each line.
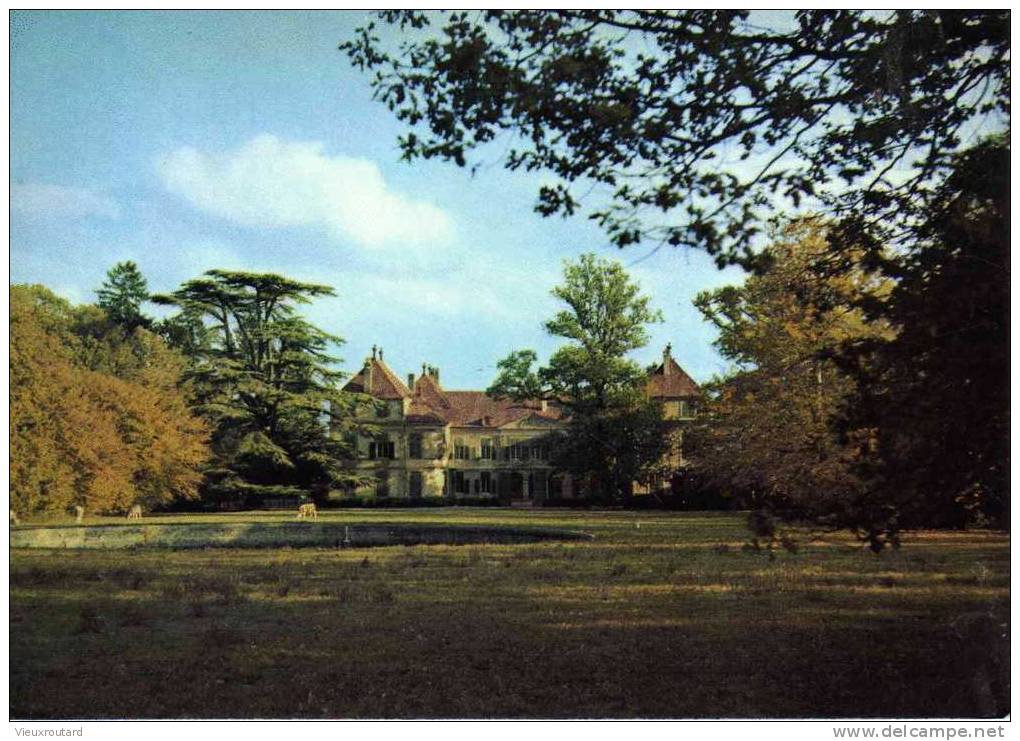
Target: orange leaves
81,436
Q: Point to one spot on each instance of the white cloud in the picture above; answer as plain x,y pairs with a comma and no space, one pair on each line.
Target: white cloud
59,201
475,291
269,182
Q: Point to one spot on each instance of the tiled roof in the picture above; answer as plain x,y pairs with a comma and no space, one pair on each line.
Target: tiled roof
475,408
431,404
469,408
385,384
422,413
675,383
428,391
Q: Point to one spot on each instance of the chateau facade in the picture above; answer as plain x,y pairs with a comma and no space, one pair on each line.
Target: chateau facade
434,442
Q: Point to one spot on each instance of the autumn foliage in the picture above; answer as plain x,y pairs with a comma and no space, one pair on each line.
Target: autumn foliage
97,416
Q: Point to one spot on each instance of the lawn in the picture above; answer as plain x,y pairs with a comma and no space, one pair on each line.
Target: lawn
661,615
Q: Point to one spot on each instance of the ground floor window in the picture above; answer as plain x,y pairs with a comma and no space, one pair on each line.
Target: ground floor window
460,483
556,487
382,483
415,484
538,486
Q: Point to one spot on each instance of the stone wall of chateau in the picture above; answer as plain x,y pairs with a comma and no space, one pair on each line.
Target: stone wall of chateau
457,462
431,442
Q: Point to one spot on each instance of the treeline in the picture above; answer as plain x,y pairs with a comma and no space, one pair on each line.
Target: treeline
879,406
870,387
100,415
233,397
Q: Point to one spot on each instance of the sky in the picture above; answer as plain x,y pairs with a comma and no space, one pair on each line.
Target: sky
188,141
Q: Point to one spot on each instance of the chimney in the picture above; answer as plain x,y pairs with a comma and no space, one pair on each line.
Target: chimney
380,353
410,381
667,356
368,372
374,351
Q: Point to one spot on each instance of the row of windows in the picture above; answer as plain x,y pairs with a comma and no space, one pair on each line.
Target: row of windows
489,452
481,485
461,483
383,448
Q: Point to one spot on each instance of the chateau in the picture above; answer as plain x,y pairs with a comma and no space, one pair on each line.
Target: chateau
434,442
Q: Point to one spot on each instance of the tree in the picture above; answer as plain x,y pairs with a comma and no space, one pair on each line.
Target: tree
122,294
95,422
695,122
605,319
937,394
765,432
264,380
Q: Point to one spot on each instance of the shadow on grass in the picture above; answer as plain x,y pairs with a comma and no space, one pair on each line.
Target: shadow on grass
474,634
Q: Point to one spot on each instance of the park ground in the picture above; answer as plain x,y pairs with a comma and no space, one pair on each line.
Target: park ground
660,615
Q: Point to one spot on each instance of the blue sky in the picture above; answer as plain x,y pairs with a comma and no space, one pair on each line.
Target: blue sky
188,141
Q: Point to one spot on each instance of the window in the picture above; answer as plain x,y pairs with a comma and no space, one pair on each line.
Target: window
686,408
414,484
488,451
556,487
540,452
461,485
381,448
414,446
485,482
461,451
382,411
518,452
382,484
539,487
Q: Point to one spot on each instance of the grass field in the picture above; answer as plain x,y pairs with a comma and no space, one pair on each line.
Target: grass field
661,615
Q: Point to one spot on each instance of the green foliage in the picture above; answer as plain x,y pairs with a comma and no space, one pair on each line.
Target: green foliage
935,397
625,443
692,122
765,431
605,318
264,379
615,436
122,294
